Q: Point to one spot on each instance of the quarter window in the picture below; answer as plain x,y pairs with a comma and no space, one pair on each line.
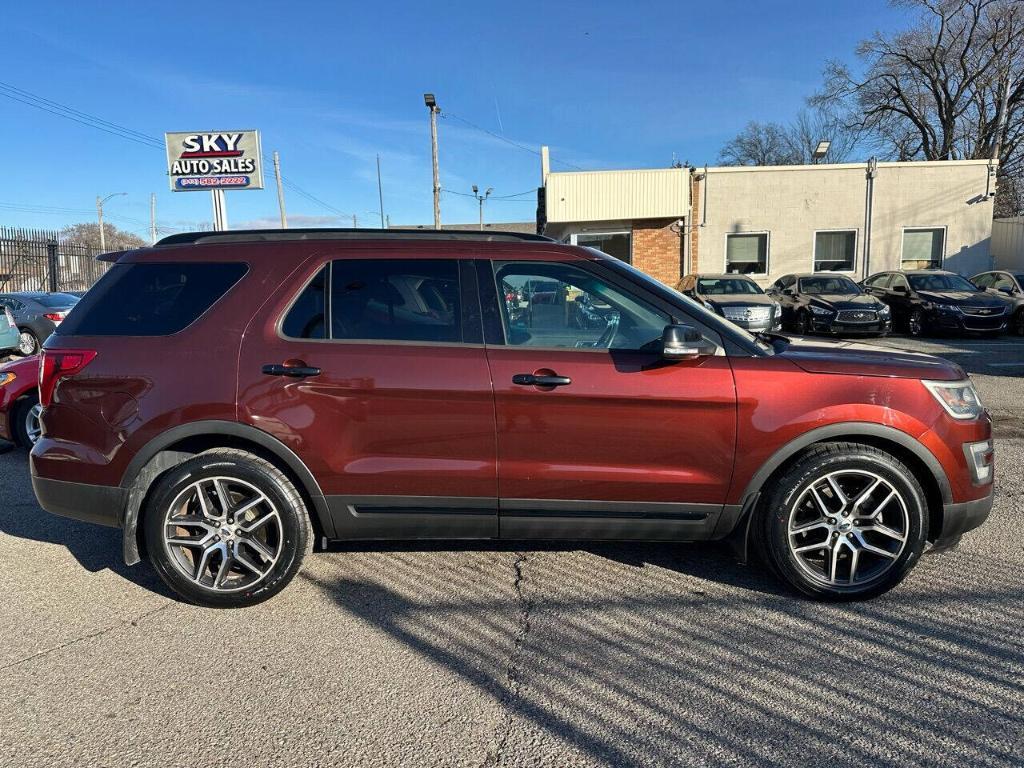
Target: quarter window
923,248
747,254
562,306
396,300
307,319
835,251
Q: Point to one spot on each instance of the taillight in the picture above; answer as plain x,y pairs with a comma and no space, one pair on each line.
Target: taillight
55,317
10,319
57,364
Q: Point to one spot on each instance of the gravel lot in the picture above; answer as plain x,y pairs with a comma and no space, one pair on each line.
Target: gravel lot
484,655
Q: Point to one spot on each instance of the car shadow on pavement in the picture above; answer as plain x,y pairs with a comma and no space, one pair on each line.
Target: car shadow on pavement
95,547
587,659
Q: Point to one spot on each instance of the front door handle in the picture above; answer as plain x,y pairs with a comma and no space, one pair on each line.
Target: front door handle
294,371
529,379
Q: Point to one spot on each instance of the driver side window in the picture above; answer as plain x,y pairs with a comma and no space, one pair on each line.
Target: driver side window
557,305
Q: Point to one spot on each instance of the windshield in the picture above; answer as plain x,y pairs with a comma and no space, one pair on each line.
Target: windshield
829,285
717,286
941,282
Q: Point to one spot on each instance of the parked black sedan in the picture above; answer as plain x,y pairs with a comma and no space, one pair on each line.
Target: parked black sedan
830,304
1009,285
934,301
37,315
736,298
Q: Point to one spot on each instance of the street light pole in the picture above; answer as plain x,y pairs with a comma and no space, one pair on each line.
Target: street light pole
481,199
431,102
99,216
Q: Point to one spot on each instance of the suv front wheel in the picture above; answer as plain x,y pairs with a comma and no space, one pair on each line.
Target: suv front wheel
226,529
846,521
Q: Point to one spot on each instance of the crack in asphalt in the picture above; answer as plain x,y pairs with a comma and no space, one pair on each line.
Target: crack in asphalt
88,636
512,680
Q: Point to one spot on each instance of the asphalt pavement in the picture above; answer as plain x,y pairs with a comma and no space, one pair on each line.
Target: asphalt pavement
487,655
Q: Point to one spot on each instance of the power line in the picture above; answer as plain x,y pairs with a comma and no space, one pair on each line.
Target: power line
499,137
114,129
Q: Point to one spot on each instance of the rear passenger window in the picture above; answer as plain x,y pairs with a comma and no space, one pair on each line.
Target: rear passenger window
150,299
307,319
396,300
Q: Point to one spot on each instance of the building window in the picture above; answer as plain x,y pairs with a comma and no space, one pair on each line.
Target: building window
747,254
835,251
923,248
617,244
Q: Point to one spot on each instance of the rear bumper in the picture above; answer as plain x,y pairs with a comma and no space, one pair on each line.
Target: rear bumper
959,518
99,504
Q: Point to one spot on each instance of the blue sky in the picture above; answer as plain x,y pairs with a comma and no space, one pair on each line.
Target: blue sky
331,85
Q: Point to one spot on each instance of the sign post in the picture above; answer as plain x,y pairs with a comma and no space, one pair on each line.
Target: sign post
214,161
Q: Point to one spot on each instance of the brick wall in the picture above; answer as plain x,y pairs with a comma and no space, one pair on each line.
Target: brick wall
658,249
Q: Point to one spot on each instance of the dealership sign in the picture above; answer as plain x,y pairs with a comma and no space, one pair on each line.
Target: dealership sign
201,161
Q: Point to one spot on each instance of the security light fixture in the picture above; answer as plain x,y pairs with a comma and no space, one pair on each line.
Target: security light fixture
821,150
429,100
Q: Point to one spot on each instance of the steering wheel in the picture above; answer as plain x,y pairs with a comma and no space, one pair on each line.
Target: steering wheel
608,337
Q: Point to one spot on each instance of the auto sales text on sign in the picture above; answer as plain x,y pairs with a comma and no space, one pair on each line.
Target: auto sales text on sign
198,161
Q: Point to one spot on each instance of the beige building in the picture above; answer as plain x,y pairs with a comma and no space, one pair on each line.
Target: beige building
853,218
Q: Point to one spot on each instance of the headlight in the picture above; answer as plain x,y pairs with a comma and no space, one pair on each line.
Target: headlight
959,398
884,311
950,308
6,378
821,311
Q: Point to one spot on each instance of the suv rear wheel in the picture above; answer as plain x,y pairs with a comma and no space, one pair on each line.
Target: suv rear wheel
846,521
226,529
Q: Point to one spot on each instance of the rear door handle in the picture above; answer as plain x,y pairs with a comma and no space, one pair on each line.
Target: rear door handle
528,379
294,371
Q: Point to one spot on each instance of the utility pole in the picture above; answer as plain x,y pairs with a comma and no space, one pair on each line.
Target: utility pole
380,193
431,102
355,222
997,145
280,190
99,216
481,199
152,217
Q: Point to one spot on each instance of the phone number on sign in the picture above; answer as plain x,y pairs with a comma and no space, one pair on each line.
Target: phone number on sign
212,181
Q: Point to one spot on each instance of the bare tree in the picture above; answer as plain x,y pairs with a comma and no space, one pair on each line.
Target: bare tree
88,234
794,144
759,144
950,87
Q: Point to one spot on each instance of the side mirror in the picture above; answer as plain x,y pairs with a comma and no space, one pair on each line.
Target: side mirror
684,342
788,292
899,289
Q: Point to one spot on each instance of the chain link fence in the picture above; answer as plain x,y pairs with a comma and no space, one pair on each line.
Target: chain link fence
38,260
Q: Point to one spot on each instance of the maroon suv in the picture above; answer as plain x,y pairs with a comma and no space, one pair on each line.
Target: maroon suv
228,399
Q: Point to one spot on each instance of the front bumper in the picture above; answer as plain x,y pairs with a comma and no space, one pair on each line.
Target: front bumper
958,519
960,322
99,504
834,327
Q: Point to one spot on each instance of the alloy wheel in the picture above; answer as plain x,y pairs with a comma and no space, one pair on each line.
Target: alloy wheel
801,323
848,528
223,534
33,430
914,325
1020,322
26,343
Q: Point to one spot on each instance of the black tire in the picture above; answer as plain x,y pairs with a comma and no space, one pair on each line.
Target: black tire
28,342
802,323
294,535
19,420
1018,322
772,527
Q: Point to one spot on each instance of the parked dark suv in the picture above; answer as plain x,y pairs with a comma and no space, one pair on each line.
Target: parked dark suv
228,399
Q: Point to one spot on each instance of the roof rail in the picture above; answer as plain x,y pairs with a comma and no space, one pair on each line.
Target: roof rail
282,235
